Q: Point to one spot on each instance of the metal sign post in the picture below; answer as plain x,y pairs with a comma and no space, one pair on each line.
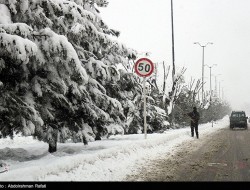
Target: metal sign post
145,104
144,67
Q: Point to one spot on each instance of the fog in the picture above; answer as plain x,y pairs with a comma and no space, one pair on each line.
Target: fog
145,25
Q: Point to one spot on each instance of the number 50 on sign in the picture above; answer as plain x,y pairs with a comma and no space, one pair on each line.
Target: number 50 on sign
144,67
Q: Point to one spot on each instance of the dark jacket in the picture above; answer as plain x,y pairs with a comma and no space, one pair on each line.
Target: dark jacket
195,116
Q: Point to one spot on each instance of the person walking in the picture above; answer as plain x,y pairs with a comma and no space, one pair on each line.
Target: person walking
195,116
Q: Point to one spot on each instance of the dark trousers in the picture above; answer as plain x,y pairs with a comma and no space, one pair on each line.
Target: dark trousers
194,127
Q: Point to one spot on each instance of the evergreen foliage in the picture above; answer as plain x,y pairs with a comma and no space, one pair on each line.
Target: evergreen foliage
57,67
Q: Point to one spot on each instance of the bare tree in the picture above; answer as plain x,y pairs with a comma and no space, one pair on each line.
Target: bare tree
166,73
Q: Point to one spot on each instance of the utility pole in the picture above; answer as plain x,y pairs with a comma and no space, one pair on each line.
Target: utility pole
219,89
202,78
215,83
218,86
210,68
223,95
220,95
173,57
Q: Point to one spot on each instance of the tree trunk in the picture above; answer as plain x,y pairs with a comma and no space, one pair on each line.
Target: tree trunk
98,137
53,142
52,147
85,142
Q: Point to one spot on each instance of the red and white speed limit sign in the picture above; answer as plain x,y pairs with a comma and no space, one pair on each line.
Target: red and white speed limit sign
144,67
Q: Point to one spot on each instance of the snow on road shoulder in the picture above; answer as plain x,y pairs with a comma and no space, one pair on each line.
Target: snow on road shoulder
106,160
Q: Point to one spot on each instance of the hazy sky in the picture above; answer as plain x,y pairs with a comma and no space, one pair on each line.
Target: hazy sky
145,25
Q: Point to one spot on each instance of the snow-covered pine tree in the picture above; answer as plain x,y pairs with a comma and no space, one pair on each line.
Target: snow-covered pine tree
56,58
130,95
129,92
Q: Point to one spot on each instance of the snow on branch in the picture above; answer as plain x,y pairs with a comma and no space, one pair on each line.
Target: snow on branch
20,29
17,47
58,45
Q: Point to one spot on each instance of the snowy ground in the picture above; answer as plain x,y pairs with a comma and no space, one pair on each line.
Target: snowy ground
106,160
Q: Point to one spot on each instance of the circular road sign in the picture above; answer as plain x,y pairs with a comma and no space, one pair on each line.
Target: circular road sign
144,67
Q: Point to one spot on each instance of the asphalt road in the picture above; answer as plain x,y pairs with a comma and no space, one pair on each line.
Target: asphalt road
224,156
